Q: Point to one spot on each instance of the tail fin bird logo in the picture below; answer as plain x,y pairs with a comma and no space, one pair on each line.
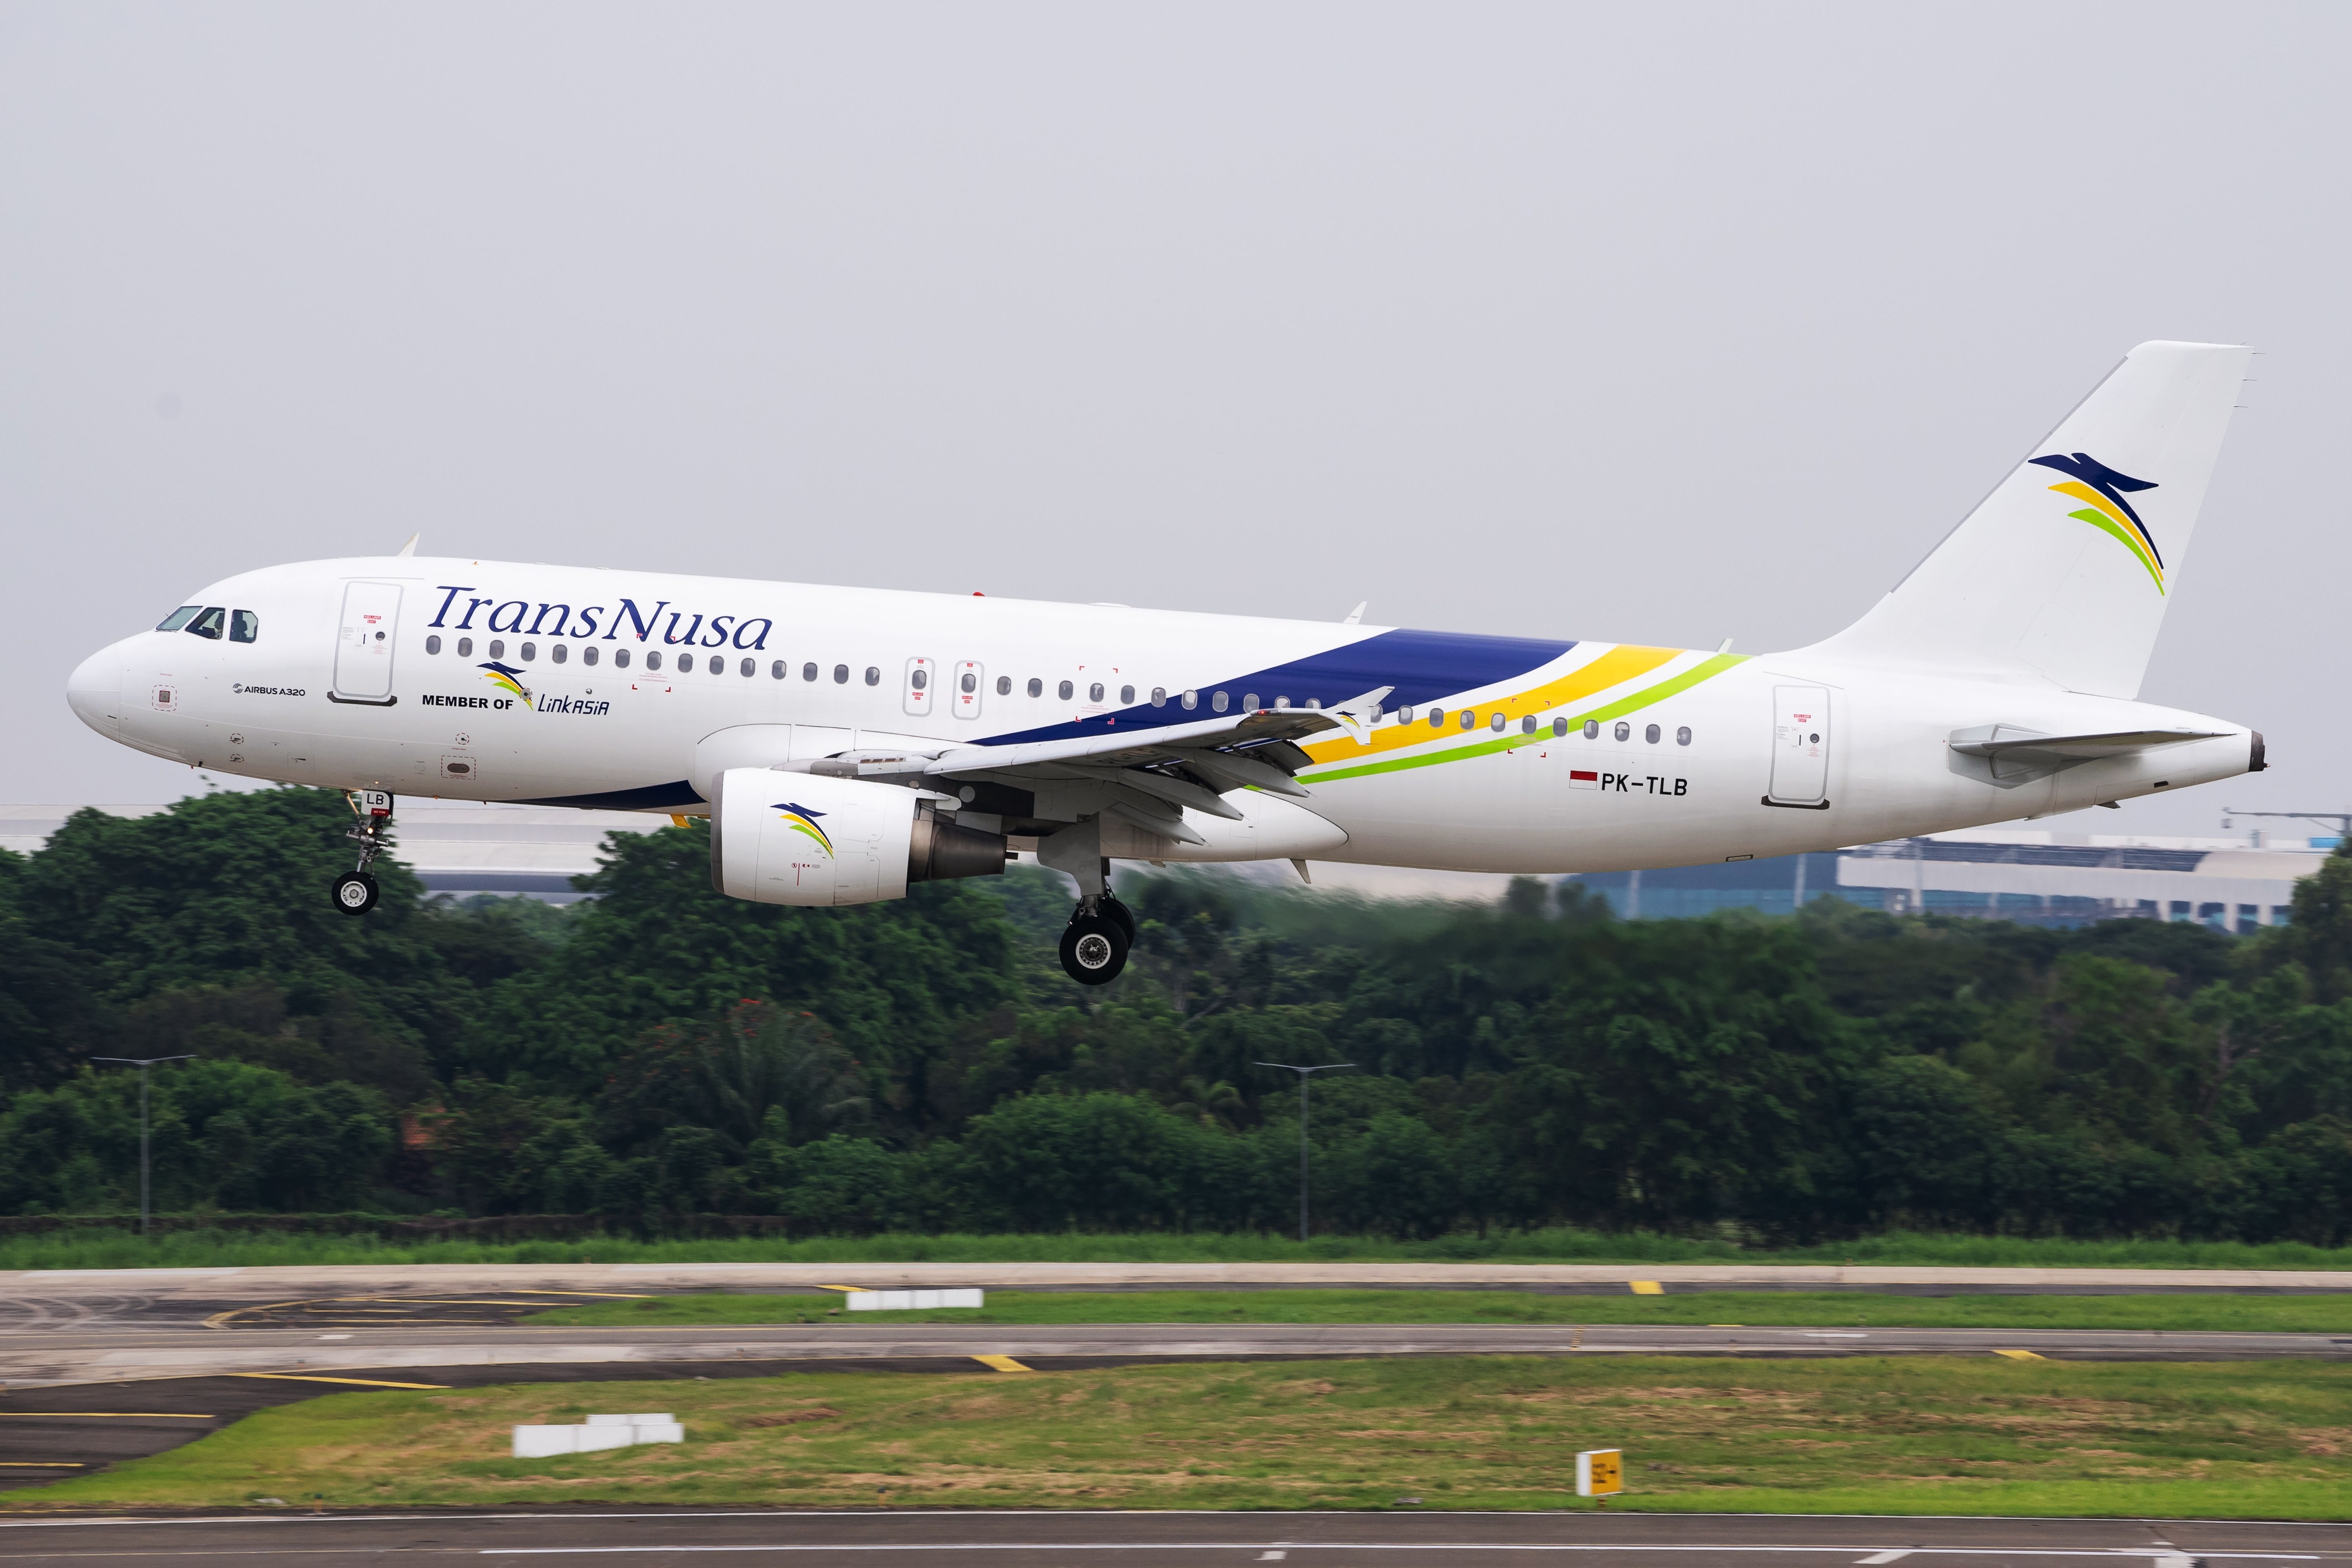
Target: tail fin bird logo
505,676
803,821
2091,481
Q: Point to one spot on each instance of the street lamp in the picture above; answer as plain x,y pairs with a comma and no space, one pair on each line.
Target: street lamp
1303,1074
143,1064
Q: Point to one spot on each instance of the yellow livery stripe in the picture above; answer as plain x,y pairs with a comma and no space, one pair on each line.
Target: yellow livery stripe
1619,665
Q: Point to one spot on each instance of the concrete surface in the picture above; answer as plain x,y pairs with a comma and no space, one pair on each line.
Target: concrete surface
1016,1539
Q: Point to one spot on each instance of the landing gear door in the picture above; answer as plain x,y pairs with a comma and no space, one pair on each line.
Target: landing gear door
1800,745
364,641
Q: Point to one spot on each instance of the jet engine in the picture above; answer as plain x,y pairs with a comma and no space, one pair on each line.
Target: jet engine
806,839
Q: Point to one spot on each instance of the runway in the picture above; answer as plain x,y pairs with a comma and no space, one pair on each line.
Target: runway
1019,1539
47,1357
53,1297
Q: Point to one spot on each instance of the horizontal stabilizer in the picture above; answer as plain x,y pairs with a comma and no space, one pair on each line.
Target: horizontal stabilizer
2012,754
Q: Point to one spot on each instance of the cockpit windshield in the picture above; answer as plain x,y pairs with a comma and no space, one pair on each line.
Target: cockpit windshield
208,623
178,618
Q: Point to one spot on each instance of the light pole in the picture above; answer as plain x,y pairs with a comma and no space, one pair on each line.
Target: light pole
1303,1074
143,1064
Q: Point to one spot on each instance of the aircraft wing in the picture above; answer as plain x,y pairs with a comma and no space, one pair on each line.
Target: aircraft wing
1175,765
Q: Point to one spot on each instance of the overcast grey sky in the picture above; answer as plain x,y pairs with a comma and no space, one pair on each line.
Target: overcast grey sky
1664,322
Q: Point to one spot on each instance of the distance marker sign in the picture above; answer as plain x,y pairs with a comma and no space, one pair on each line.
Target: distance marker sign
1599,1472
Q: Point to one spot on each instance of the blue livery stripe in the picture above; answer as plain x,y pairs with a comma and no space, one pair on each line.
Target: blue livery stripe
1423,667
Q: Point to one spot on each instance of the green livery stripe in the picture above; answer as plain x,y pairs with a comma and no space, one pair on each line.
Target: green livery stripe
2101,521
1706,669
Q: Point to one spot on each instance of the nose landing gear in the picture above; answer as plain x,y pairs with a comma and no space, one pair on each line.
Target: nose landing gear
355,891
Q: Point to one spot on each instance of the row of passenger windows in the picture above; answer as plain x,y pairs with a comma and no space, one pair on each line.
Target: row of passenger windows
210,620
1097,691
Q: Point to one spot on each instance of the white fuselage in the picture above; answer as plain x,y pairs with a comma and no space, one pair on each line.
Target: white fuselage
497,681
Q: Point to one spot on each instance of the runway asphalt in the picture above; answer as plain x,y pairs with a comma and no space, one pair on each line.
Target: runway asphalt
43,1357
80,1292
1018,1539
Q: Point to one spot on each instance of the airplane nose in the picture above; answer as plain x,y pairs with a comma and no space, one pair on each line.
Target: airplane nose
95,691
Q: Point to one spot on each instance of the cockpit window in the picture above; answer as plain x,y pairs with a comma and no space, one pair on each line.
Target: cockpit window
179,618
209,625
244,625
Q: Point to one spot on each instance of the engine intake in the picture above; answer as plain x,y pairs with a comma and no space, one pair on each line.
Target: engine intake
814,840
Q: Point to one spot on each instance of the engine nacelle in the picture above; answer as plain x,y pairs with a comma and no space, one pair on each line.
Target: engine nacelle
806,839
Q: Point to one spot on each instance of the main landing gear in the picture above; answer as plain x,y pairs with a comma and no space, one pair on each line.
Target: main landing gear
1096,943
355,891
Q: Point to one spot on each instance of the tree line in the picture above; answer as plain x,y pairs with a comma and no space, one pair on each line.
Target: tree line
658,1050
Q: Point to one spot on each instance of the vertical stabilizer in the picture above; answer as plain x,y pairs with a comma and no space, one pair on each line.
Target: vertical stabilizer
2064,571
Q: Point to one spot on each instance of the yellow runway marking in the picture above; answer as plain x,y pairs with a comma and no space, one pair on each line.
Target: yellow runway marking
117,1415
1646,1288
2021,1355
851,1290
361,1382
42,1464
1726,1325
1002,1363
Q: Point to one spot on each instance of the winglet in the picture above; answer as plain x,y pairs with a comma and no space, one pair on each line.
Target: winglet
1356,615
409,548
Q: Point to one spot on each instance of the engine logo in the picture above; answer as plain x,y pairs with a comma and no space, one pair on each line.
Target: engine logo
803,821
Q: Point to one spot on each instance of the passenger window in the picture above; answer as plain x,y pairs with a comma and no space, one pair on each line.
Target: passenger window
653,659
1592,729
433,643
1469,720
780,669
1559,728
1623,732
1437,718
498,648
1404,715
1651,734
1127,696
1682,736
1218,703
1004,686
1160,697
209,625
808,672
588,654
179,618
970,682
244,625
685,662
1249,701
620,658
922,678
1037,687
1190,700
530,651
559,653
1065,689
841,674
1528,725
873,675
1094,692
465,648
751,667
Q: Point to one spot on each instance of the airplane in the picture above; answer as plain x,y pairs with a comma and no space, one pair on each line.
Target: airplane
847,744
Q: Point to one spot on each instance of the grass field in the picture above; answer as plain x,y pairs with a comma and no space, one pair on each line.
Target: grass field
114,1249
2283,1315
1945,1437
